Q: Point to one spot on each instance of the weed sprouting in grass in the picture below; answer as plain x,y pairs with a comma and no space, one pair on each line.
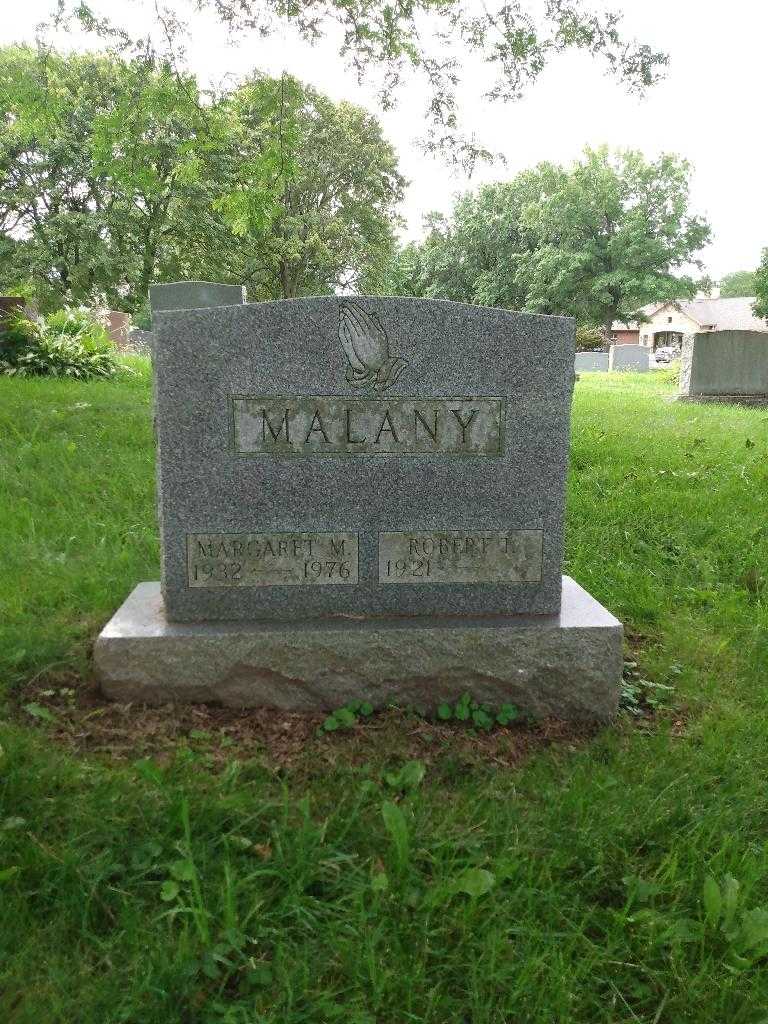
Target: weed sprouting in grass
481,716
348,716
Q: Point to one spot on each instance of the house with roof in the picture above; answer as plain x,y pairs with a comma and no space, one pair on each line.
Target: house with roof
665,323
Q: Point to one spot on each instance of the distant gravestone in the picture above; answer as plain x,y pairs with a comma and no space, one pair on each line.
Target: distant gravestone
591,362
725,366
629,357
194,295
118,325
362,498
140,342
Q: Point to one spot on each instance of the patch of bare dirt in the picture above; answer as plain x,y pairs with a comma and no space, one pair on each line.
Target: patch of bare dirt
75,715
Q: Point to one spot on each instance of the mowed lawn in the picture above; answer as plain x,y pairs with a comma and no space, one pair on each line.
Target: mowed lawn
619,876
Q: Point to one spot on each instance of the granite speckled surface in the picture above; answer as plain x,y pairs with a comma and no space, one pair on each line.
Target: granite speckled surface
727,364
629,357
194,295
566,665
418,349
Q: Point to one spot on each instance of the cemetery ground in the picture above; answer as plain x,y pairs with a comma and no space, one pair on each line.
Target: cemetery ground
193,866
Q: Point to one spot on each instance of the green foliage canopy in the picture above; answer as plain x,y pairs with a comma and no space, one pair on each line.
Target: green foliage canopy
323,215
610,235
761,287
93,152
394,40
115,174
596,241
741,283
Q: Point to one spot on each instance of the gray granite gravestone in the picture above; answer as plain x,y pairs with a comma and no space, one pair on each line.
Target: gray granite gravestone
725,366
361,498
629,357
194,295
591,362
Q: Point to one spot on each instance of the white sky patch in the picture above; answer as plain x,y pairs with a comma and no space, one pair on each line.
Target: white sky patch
710,109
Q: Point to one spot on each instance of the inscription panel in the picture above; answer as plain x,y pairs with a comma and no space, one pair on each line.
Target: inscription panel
271,559
460,556
327,425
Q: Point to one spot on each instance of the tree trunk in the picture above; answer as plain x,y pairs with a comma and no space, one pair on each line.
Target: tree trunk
147,266
610,317
288,282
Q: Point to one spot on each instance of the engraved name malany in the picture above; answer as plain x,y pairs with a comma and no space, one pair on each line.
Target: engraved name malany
330,425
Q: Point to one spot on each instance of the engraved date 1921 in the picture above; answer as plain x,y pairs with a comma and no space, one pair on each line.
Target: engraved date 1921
418,568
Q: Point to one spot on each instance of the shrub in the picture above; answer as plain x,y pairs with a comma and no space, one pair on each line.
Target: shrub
67,343
589,339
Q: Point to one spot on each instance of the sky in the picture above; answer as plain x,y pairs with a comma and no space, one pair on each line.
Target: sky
710,109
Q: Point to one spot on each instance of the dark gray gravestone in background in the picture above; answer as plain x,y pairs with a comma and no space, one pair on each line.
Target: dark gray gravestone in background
194,295
365,457
725,364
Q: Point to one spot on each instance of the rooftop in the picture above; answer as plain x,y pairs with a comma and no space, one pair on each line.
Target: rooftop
713,314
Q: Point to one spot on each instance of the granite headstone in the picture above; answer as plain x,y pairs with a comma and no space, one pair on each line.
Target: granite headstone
194,295
330,457
361,497
725,366
591,362
629,357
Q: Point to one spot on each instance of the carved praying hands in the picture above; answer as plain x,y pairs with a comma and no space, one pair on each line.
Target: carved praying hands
366,347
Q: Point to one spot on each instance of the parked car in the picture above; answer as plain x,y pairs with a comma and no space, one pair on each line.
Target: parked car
666,354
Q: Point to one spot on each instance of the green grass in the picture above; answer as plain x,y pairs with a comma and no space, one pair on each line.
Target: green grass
200,889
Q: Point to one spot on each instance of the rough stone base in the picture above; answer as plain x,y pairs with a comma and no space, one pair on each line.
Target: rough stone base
758,401
567,665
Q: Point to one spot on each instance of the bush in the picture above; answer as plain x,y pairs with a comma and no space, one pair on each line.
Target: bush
589,339
67,343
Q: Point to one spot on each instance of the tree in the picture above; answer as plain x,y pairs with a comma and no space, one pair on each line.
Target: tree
478,254
93,155
595,241
761,287
741,283
114,174
403,275
609,236
431,38
311,191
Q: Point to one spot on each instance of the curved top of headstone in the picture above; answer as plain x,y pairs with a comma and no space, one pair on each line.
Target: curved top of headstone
194,295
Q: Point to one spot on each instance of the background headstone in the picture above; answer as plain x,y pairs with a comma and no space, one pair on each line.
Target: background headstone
194,295
629,357
721,364
118,325
591,362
